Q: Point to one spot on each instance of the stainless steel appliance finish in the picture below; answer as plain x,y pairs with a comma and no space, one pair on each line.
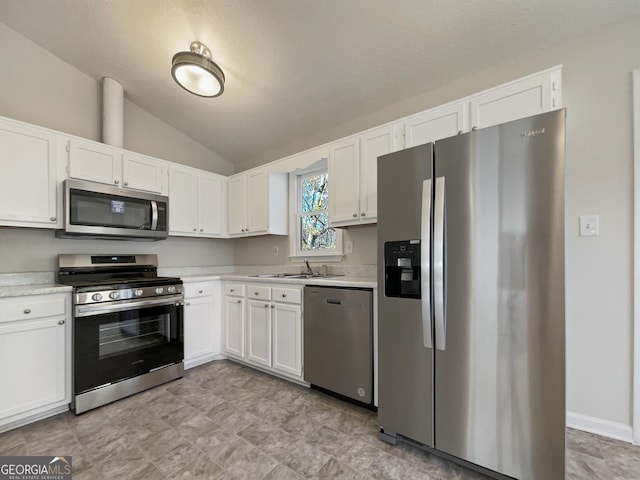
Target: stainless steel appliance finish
338,341
94,210
127,326
474,368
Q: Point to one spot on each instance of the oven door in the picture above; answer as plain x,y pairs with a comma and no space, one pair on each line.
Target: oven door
120,340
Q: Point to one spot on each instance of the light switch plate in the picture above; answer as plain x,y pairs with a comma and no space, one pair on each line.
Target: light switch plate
589,226
348,246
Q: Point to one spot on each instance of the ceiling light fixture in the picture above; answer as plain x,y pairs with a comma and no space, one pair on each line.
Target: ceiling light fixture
197,73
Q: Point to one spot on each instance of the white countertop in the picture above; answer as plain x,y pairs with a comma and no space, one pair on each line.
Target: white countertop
33,289
338,281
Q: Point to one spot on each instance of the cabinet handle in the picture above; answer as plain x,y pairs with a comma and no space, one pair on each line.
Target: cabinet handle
459,132
199,291
27,311
474,128
284,295
53,219
239,301
60,322
362,214
194,229
256,293
116,182
266,305
273,306
232,290
188,303
126,184
202,229
355,215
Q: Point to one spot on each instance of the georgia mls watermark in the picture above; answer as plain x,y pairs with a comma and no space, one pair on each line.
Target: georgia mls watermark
35,468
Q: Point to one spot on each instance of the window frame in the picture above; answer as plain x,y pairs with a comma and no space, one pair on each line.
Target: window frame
296,253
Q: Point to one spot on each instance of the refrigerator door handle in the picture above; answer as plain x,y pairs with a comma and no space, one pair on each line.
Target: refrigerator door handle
425,261
439,304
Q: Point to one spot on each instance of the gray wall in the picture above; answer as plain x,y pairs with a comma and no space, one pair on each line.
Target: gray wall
597,91
598,95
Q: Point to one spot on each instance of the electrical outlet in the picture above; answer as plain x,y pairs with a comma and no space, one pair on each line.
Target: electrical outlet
348,246
276,251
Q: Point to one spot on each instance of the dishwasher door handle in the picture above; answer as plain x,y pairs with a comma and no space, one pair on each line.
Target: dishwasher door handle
334,301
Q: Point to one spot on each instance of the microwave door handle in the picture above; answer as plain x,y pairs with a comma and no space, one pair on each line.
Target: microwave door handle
154,215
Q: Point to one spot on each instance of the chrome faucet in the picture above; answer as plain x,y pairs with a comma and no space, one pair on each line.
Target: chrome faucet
309,270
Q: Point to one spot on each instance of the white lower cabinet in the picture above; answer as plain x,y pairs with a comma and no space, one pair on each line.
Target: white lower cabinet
35,357
201,322
263,326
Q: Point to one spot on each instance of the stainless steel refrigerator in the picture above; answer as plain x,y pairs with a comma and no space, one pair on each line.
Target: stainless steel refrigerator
471,297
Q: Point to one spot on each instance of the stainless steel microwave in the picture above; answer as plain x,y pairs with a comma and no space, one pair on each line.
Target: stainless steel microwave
94,210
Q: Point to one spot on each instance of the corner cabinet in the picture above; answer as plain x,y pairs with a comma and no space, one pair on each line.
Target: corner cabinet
258,203
197,202
352,168
201,322
102,163
263,327
28,184
35,334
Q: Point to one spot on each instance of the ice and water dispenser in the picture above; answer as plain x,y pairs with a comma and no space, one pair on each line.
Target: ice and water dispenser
402,269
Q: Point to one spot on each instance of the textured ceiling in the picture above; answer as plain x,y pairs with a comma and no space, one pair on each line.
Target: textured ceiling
294,67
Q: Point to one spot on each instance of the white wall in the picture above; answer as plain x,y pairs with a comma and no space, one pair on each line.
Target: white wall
597,91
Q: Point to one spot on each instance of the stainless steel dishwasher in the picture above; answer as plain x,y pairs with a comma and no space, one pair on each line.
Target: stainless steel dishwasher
338,341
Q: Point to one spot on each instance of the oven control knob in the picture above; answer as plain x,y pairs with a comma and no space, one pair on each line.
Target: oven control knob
96,297
114,295
171,289
159,290
137,292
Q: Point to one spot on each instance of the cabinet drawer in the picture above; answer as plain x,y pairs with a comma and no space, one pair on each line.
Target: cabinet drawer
192,290
287,295
258,293
33,306
234,289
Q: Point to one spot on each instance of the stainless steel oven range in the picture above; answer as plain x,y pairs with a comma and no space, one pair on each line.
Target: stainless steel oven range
127,326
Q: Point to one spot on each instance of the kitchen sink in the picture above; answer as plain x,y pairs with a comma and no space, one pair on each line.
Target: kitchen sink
295,275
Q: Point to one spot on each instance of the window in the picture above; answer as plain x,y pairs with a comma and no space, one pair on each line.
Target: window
313,235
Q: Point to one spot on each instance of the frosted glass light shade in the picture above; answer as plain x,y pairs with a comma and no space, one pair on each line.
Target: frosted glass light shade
197,73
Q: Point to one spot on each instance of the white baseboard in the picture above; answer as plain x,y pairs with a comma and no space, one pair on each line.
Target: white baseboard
606,428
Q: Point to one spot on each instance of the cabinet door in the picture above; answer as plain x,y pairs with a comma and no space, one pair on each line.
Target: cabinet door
211,204
94,161
183,200
436,124
287,339
28,180
33,374
517,100
373,144
198,330
344,185
259,332
257,206
234,326
143,173
236,206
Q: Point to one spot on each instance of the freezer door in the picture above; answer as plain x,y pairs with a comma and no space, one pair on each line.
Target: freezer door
405,375
500,378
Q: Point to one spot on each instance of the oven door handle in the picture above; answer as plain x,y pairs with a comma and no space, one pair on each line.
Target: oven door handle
99,309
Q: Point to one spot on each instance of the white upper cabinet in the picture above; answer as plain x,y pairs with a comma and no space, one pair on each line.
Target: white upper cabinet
436,124
352,166
197,202
102,163
257,203
28,184
531,95
144,173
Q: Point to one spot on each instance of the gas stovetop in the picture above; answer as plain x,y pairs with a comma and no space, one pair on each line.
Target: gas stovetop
103,278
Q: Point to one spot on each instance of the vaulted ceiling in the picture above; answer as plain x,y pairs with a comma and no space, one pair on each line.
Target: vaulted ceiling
294,67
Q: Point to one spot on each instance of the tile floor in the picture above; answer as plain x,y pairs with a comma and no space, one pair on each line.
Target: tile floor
227,421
